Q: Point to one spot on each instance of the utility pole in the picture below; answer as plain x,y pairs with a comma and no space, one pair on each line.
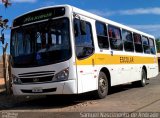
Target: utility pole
5,70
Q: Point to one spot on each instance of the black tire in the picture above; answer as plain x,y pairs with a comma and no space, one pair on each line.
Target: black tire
143,80
103,86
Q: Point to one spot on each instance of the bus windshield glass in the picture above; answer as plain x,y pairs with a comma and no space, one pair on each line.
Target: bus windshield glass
41,44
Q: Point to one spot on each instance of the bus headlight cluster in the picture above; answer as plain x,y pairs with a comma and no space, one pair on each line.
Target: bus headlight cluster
16,80
62,75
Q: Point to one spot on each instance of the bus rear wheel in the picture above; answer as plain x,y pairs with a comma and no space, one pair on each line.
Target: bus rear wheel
102,86
143,80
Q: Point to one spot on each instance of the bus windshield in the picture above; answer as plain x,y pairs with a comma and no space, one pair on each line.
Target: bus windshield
41,44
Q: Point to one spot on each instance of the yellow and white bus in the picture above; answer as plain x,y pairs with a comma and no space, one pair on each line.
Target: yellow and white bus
66,50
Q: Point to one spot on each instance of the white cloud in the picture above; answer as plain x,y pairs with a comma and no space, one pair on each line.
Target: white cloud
22,1
48,3
138,11
150,29
155,10
146,26
102,13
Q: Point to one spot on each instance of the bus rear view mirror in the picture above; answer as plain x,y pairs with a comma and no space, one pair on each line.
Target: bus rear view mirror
83,27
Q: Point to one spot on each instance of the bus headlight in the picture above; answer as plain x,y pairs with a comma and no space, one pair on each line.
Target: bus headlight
16,80
62,75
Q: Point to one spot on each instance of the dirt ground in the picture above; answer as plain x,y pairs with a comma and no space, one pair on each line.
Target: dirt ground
123,98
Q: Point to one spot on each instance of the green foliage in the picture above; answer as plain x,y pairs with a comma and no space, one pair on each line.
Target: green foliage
158,44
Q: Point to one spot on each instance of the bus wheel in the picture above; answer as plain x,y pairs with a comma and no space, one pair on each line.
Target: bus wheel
102,86
143,80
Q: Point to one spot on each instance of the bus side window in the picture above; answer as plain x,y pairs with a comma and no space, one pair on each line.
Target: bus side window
83,42
127,40
137,43
146,47
115,37
152,46
102,37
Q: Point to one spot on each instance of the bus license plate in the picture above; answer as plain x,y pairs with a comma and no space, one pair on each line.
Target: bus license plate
37,90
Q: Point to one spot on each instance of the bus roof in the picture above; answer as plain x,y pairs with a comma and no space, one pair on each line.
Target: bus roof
93,16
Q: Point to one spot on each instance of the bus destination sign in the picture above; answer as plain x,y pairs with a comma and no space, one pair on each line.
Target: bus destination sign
39,15
36,18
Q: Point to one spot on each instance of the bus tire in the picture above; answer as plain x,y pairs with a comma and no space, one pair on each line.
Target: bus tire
102,86
143,80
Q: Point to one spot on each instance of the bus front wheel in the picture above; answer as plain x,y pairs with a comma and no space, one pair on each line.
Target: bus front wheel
102,86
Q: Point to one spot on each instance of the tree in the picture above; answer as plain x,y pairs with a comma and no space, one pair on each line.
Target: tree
4,26
6,3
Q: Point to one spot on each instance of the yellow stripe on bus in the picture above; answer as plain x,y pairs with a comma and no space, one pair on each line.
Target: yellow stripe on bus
100,59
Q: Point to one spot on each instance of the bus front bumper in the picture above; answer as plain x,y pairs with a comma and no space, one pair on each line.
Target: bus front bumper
65,87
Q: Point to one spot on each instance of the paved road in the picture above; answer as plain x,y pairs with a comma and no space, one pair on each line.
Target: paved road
124,98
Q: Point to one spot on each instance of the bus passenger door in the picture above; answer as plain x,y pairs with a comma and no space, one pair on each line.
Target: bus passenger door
84,55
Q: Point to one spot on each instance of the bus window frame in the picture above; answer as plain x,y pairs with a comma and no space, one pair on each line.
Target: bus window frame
134,33
106,25
154,45
91,27
120,31
145,44
128,41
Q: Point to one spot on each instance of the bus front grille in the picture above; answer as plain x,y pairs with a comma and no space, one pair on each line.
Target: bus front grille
37,79
33,74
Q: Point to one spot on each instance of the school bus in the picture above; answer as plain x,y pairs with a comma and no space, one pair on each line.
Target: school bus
65,50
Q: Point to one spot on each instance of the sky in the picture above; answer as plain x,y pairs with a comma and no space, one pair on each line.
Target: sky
143,15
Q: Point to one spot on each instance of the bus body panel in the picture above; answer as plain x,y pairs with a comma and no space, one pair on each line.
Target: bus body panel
120,73
68,87
63,87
